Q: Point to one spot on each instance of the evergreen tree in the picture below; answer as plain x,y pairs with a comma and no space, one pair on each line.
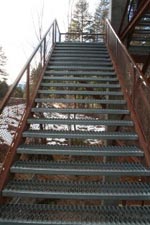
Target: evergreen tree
81,21
3,59
3,88
19,92
100,16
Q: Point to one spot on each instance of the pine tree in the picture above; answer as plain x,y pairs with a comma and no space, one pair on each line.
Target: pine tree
100,16
80,23
3,88
3,60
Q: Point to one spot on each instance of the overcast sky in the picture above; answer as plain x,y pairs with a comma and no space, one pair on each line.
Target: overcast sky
18,19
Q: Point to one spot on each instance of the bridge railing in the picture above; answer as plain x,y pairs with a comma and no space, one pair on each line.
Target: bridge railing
20,96
135,86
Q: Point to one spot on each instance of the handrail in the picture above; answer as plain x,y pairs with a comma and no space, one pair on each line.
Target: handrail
20,111
26,66
141,75
134,85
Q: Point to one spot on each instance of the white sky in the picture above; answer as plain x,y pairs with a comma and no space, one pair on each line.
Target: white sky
17,33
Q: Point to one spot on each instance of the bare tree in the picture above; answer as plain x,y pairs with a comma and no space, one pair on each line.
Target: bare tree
3,60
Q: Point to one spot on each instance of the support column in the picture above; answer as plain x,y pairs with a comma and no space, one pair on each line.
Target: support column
117,8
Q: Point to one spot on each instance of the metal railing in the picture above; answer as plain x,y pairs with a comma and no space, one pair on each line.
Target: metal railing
82,37
135,86
14,110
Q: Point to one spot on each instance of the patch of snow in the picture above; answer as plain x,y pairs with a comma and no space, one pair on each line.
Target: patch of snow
9,121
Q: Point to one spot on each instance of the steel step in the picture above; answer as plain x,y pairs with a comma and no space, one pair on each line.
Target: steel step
141,38
81,150
79,63
81,111
79,85
85,79
84,45
102,135
85,168
81,73
80,68
85,122
142,32
80,54
80,59
80,101
77,190
68,92
50,214
143,23
81,51
139,50
89,44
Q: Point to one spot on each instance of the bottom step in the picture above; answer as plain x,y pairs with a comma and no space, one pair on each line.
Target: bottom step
18,214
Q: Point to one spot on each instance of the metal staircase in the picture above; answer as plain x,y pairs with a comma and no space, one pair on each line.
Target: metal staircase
79,160
139,40
135,30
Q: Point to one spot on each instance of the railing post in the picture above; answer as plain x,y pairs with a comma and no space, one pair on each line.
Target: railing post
53,35
28,86
116,48
134,85
54,31
44,52
59,37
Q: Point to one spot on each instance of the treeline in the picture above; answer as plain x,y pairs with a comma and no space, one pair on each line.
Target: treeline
83,22
3,78
3,74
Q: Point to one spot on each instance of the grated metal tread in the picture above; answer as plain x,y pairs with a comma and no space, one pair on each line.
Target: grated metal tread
81,73
103,135
140,38
77,190
142,31
80,122
71,78
79,85
80,150
44,214
68,92
143,23
81,54
79,63
86,168
81,68
81,59
81,111
81,51
89,44
82,101
80,48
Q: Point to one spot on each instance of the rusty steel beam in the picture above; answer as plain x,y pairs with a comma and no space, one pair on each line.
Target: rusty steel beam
135,19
